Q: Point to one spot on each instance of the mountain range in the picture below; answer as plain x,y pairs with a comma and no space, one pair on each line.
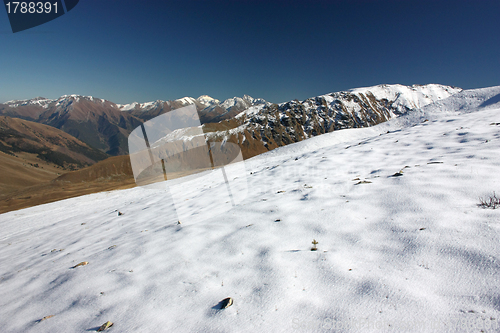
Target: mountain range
264,127
96,129
106,125
254,123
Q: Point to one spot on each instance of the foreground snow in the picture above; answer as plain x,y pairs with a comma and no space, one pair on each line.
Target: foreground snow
411,253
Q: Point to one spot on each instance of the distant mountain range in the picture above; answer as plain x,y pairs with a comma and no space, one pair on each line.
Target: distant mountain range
255,124
95,121
106,125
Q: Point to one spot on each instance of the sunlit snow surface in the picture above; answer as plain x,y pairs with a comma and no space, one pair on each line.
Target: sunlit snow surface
412,253
415,96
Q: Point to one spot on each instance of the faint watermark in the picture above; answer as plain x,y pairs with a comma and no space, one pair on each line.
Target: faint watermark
205,178
24,15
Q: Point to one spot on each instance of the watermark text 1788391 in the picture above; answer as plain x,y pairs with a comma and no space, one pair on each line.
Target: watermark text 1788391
28,14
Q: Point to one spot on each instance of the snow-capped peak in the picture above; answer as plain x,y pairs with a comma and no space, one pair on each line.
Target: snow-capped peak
127,107
186,100
254,101
203,102
38,101
77,98
207,100
140,106
241,103
63,100
230,102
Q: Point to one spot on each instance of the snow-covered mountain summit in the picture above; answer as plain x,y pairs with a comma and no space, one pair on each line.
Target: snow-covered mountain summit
210,109
47,103
204,100
405,98
140,106
37,101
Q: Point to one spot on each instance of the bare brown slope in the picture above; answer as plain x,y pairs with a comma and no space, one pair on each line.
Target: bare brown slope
32,155
29,112
111,174
24,170
55,191
95,121
113,169
47,143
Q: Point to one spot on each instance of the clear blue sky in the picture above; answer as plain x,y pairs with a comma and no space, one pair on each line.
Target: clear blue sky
131,50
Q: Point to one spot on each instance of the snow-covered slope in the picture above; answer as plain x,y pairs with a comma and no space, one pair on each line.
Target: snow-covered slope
407,253
468,100
405,98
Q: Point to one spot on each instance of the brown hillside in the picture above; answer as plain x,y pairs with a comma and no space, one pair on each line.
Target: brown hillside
110,174
48,143
24,170
30,112
116,168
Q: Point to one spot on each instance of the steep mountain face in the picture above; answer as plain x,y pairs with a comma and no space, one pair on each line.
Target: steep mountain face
95,121
32,154
265,127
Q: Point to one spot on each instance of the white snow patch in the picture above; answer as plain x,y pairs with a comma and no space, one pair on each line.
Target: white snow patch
413,97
